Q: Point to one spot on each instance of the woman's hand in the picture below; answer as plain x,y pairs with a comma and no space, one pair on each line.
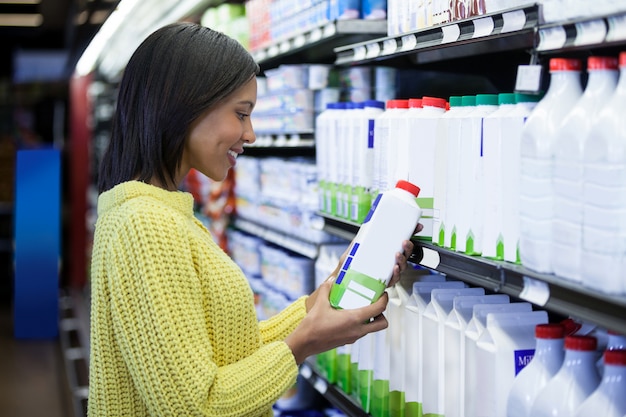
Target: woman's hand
399,267
325,327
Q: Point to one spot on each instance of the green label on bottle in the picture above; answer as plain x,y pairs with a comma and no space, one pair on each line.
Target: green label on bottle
413,409
396,404
380,398
353,289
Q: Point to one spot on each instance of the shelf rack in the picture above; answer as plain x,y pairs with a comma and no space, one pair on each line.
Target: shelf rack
544,290
506,30
316,45
331,392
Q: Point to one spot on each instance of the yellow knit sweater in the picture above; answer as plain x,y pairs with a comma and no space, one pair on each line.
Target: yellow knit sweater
173,324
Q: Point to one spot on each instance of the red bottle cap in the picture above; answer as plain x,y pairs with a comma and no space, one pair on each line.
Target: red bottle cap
601,63
550,331
583,343
434,102
615,357
397,104
415,103
565,64
407,186
622,59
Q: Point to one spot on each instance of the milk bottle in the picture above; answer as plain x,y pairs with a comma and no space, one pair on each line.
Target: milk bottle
573,383
548,358
537,150
604,195
567,254
608,400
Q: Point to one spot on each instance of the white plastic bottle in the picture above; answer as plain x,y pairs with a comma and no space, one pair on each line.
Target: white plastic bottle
608,400
567,253
495,130
604,206
537,150
333,196
364,161
368,267
548,358
325,129
422,129
454,204
441,171
382,136
575,381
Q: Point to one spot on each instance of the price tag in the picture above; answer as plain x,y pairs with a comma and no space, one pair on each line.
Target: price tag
329,30
528,78
551,38
306,371
373,50
617,28
359,53
272,51
389,46
451,33
483,27
409,42
430,258
513,21
590,33
316,35
321,386
284,47
534,291
299,41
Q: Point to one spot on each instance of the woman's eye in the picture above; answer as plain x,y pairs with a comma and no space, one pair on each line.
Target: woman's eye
242,116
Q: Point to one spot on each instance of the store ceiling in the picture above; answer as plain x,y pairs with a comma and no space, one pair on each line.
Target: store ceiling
65,28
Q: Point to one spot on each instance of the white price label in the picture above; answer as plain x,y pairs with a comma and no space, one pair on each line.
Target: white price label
306,371
389,46
528,78
536,292
359,53
451,33
483,27
373,50
409,42
284,47
617,28
316,35
299,41
513,21
329,30
590,33
430,259
321,386
551,38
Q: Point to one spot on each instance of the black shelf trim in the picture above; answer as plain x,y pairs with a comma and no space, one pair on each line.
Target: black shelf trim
516,26
561,296
331,392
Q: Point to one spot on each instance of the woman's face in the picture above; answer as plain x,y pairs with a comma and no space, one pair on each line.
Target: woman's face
217,137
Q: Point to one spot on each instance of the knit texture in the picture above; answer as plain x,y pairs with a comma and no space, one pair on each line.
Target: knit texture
173,326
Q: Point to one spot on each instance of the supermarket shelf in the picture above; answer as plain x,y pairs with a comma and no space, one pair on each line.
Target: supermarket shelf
316,45
331,392
74,339
566,36
293,243
282,145
507,30
545,290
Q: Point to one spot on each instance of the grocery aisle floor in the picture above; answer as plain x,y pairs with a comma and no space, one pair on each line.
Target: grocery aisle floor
32,375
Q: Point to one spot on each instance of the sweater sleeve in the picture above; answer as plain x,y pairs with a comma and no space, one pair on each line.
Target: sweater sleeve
158,320
279,326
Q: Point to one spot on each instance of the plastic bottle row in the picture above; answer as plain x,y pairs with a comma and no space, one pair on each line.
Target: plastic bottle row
573,176
503,176
454,351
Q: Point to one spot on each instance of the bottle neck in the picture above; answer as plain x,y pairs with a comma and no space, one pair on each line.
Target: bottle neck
562,81
614,373
600,80
549,348
621,84
579,359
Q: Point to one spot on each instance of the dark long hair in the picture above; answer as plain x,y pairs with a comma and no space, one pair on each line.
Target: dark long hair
172,78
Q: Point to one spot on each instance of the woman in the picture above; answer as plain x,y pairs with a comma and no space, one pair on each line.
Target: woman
173,324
